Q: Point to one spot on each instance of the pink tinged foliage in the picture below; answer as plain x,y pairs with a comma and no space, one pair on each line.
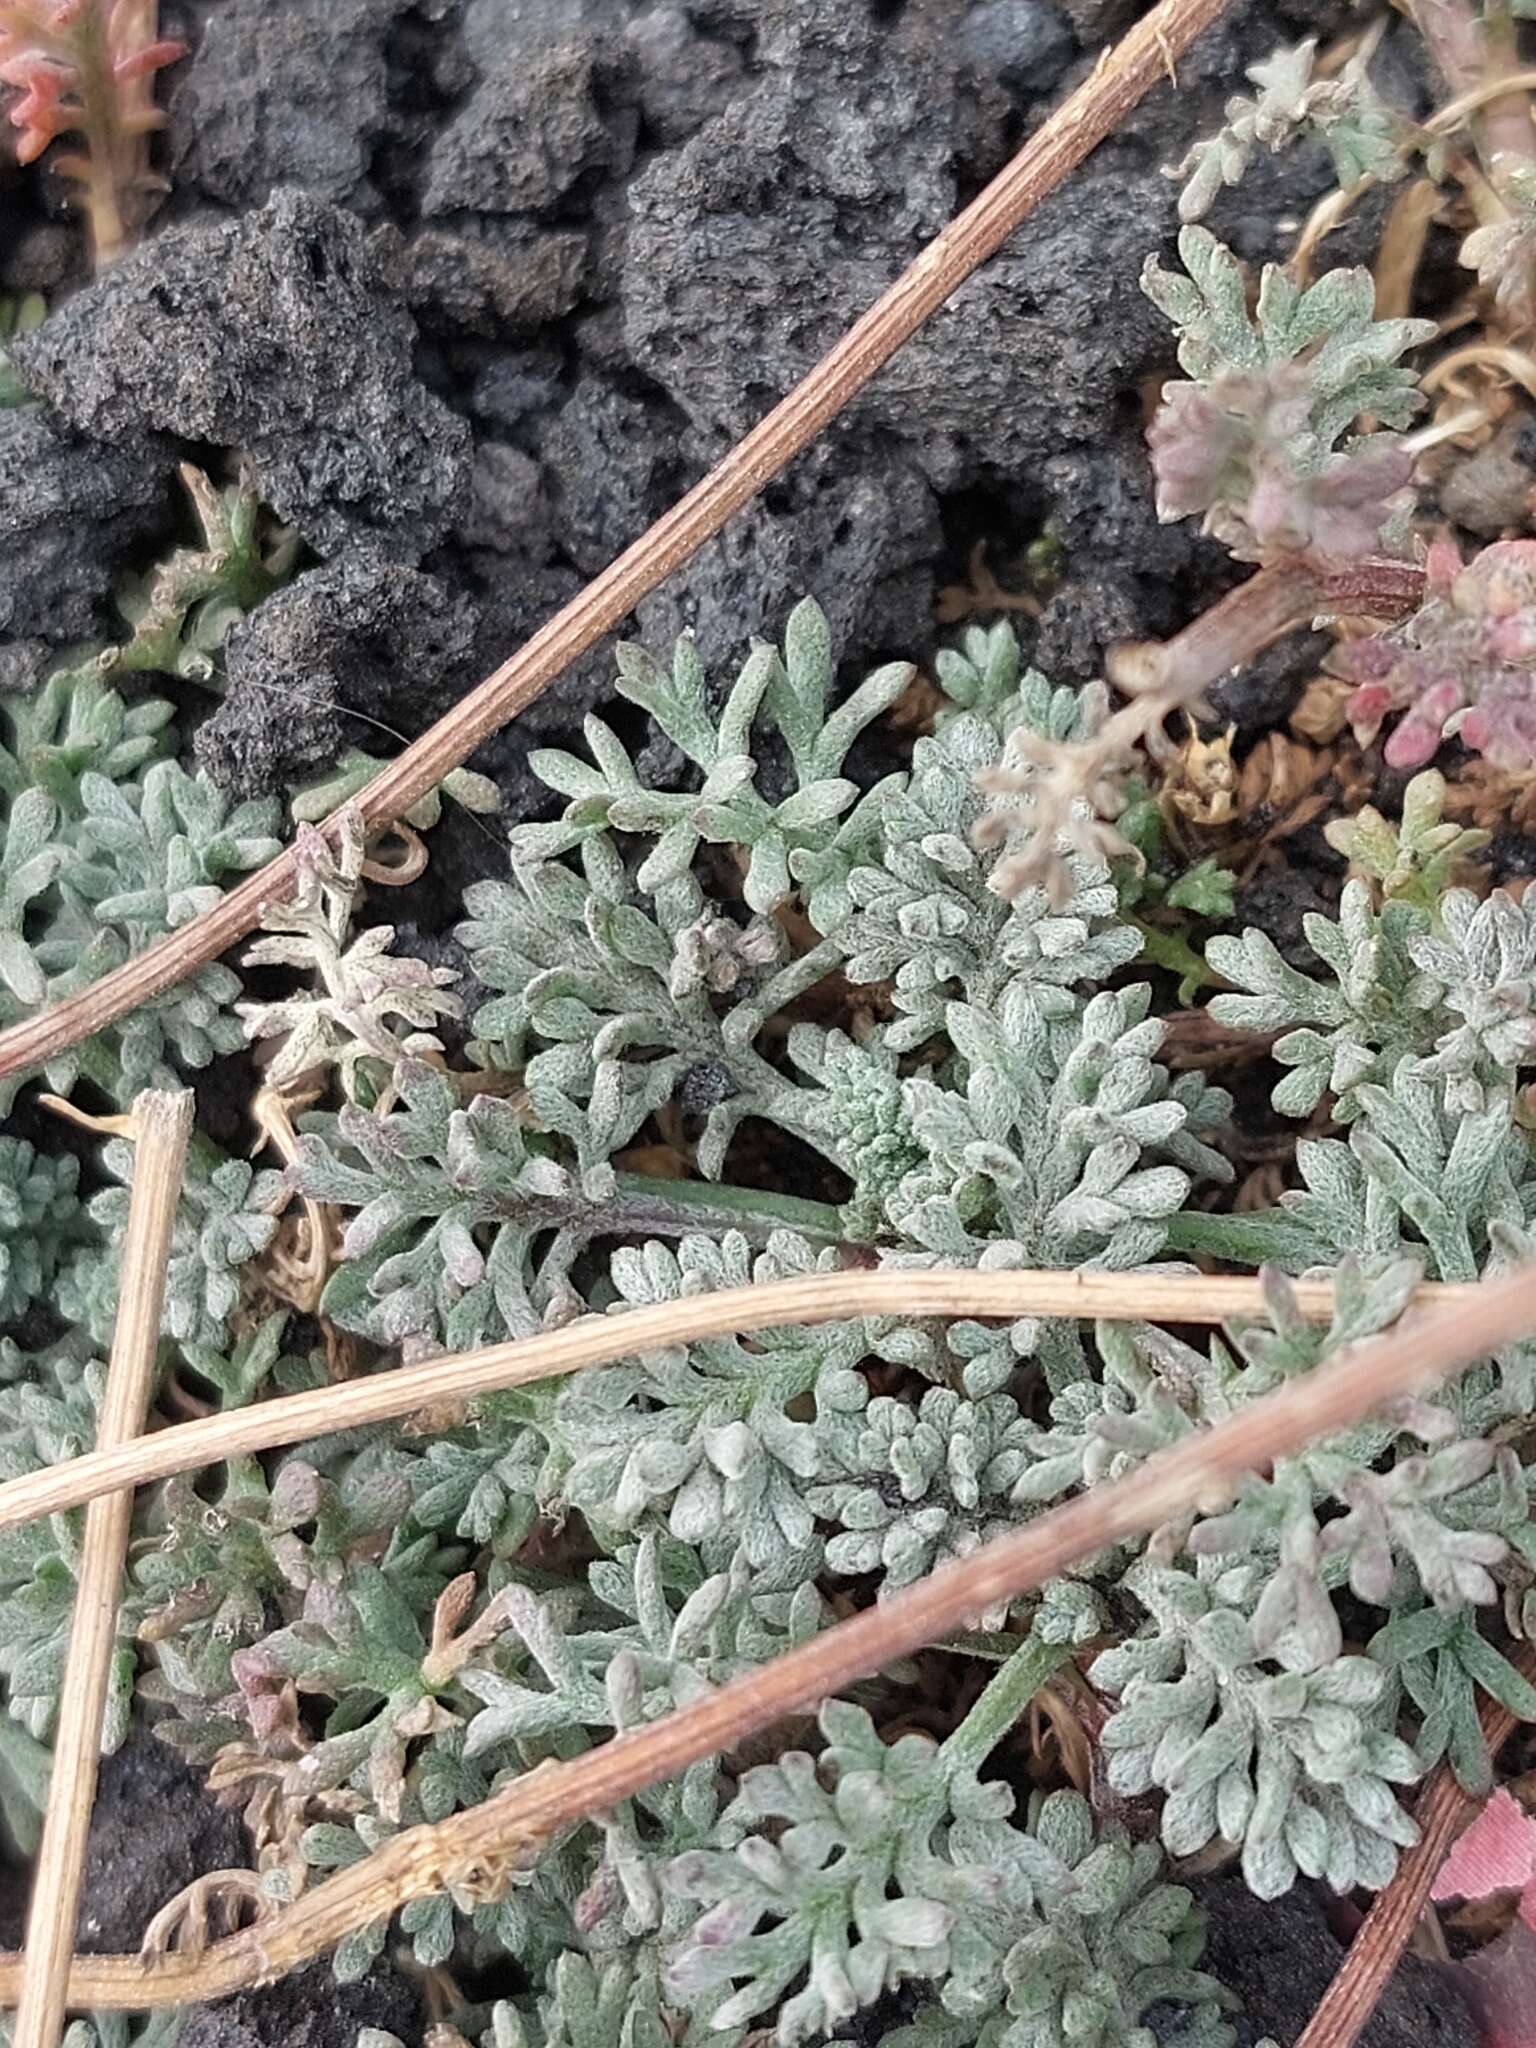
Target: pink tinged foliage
1239,450
84,67
1464,663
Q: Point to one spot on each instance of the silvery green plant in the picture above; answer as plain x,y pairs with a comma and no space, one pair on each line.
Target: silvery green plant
226,1214
908,1487
1369,1011
107,848
1300,1764
48,1406
1418,1514
1409,859
40,1221
704,1439
1363,135
117,2030
1044,1132
180,611
876,1863
386,1626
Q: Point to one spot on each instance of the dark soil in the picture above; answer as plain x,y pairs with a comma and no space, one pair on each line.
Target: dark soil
1280,1955
307,2010
470,291
154,1828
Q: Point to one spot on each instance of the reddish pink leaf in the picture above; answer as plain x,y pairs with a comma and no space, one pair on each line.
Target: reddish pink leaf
1497,1853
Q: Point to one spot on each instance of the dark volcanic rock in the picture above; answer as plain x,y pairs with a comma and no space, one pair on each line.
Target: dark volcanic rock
70,510
1085,618
859,538
533,129
506,510
491,284
22,663
1036,350
362,634
154,1827
608,456
277,334
751,249
682,77
1102,511
1266,690
1025,43
492,27
283,92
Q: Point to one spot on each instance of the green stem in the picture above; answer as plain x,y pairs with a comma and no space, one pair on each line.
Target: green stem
728,1208
1002,1705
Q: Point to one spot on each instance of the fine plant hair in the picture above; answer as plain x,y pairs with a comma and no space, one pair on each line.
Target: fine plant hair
514,1827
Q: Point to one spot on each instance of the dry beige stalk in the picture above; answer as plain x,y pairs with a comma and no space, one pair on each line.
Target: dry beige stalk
600,1340
476,1852
1122,76
162,1124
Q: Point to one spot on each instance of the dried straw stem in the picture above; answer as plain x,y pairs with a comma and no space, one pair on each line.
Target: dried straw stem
1441,1812
162,1124
480,1849
1122,76
600,1340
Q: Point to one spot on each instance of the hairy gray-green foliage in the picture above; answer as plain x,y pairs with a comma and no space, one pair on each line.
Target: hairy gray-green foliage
1037,1128
703,1439
1242,1676
1259,439
1455,997
226,1213
117,2030
1350,358
908,1487
1299,1764
107,848
48,1405
873,1864
40,1222
1363,135
392,1623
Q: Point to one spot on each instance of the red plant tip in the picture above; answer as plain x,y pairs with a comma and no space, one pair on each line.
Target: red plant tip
1463,664
153,57
40,114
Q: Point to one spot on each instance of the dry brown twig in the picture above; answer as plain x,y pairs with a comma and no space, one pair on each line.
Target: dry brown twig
473,1854
162,1124
600,1340
1122,76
